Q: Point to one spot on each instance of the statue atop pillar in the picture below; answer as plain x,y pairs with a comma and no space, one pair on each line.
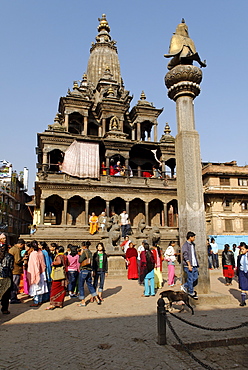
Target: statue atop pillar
182,48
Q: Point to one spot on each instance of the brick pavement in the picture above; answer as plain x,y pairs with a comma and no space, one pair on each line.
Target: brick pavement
120,334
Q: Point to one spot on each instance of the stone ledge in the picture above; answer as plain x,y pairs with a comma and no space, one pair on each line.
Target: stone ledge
213,298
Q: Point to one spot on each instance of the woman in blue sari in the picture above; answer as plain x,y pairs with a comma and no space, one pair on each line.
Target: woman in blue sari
48,262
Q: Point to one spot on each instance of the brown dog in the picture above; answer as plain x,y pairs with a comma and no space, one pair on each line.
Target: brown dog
176,297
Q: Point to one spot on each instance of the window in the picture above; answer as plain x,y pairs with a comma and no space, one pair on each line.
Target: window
228,225
244,206
227,204
243,182
225,181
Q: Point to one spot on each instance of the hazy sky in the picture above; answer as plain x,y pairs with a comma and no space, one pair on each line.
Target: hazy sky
45,47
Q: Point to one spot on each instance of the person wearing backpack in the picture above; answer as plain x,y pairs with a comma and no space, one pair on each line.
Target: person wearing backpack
147,264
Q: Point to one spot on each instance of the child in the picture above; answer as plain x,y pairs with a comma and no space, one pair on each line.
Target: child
169,256
242,272
100,268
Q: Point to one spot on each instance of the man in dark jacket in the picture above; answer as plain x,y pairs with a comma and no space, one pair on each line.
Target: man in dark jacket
17,270
190,265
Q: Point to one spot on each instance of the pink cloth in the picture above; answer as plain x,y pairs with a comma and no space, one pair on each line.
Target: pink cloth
36,266
82,160
73,263
25,282
171,274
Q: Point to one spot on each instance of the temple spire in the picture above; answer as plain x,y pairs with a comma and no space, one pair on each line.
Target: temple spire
103,53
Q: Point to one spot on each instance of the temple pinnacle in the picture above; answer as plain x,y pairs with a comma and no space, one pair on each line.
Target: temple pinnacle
103,24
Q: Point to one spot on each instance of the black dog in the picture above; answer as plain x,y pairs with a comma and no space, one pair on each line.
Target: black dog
175,297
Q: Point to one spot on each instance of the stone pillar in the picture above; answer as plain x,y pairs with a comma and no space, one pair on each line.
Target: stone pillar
155,132
139,171
44,161
107,165
85,126
163,169
165,215
67,121
64,220
183,86
107,208
138,131
103,126
149,135
86,212
127,167
42,211
147,212
133,134
121,125
127,207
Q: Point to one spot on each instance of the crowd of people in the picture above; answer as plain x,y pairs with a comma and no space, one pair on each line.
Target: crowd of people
48,273
145,264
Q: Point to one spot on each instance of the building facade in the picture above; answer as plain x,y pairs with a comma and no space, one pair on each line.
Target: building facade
15,217
94,133
226,201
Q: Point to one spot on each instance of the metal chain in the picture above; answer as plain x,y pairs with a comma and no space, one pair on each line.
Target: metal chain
185,347
206,328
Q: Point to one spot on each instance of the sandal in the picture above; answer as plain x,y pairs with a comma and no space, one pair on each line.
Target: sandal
34,305
82,305
50,308
5,312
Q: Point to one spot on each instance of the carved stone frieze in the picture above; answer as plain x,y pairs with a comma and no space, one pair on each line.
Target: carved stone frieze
183,80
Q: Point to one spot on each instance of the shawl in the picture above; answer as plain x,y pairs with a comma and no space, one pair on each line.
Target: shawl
131,252
36,266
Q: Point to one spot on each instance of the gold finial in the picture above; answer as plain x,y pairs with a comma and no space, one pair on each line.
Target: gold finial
103,24
110,90
143,96
56,119
75,85
84,78
167,129
107,68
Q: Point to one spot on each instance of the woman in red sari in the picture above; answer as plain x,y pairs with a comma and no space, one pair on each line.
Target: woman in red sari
131,258
58,288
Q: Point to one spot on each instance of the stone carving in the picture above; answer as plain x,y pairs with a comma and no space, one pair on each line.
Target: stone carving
114,234
141,226
182,48
154,236
183,79
114,124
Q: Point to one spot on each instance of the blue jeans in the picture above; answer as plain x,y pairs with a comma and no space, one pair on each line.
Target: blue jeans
210,261
38,298
72,277
149,284
85,276
192,277
101,275
216,260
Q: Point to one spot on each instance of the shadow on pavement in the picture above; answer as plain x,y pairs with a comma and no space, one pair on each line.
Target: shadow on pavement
111,291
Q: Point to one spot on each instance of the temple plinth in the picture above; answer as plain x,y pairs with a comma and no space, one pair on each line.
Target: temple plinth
183,83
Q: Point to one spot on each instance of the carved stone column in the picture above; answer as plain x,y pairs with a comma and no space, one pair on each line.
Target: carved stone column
44,161
107,208
42,211
138,131
127,207
139,171
67,121
64,220
183,83
127,166
85,126
165,215
86,212
107,165
155,132
103,126
147,212
133,134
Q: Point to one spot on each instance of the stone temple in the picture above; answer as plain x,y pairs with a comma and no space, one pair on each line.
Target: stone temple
95,128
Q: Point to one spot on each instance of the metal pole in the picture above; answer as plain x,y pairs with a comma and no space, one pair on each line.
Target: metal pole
161,322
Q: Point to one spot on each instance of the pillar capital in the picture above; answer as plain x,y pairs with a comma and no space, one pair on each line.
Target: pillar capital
183,80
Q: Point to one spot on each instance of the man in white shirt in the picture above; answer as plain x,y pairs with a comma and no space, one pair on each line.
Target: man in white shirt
124,223
215,250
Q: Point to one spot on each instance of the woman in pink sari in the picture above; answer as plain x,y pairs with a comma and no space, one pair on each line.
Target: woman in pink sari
36,274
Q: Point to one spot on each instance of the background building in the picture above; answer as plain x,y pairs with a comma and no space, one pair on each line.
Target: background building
15,217
226,201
